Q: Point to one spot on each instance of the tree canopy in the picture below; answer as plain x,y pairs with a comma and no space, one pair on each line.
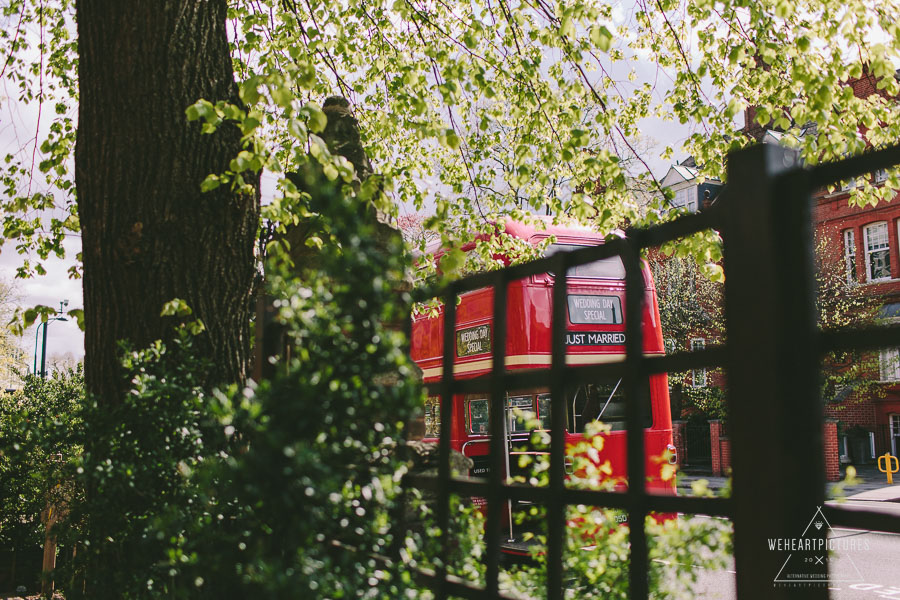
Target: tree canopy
470,110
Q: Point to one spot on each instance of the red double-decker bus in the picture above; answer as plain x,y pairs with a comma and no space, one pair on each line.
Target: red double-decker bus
595,333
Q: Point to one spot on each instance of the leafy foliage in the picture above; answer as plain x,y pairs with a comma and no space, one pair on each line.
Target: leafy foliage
12,359
482,109
39,445
690,306
39,58
313,490
137,457
596,553
842,303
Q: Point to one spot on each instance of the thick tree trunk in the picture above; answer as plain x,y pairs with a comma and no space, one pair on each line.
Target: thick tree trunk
149,234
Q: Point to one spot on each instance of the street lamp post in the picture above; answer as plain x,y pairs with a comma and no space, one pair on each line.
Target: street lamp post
62,305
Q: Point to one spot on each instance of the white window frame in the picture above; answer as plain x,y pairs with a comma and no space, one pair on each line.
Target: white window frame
844,448
849,236
881,175
889,364
670,345
698,376
894,422
870,250
692,199
684,198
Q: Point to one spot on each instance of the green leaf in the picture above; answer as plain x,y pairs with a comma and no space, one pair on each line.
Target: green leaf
211,182
175,308
601,37
282,95
201,109
249,91
452,261
196,327
78,315
452,139
330,171
315,117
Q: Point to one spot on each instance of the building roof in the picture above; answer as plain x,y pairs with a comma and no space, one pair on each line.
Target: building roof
678,174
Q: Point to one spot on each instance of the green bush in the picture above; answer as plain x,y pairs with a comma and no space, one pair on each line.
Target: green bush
135,469
38,446
310,503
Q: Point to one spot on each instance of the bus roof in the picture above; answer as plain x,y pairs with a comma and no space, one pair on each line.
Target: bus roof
526,231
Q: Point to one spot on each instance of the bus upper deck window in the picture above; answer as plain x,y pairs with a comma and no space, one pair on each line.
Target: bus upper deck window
607,268
479,417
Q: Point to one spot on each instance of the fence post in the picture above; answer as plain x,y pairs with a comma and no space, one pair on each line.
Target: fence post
772,365
832,452
715,455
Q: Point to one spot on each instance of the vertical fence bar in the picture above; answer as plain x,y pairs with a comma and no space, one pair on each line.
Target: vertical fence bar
768,309
496,476
443,499
556,508
803,419
634,419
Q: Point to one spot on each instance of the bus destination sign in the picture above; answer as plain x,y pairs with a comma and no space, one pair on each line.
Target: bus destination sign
595,338
473,340
604,310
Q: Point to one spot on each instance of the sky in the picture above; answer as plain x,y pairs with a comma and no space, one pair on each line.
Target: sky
49,290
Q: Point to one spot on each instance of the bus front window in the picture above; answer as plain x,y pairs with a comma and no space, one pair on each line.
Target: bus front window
479,417
607,268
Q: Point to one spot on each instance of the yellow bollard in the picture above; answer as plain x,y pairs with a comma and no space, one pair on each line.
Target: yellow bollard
889,467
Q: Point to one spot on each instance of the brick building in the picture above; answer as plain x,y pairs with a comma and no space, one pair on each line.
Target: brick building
870,258
864,243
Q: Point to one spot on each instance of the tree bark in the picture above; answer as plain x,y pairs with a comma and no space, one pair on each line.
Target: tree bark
149,235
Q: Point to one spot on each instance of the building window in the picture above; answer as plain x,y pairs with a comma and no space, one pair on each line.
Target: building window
889,363
671,345
881,175
878,258
698,376
687,198
848,185
850,256
895,434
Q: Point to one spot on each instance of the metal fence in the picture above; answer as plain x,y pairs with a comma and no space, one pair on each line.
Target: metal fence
772,359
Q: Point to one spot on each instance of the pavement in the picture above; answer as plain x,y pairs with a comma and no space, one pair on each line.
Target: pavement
870,486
